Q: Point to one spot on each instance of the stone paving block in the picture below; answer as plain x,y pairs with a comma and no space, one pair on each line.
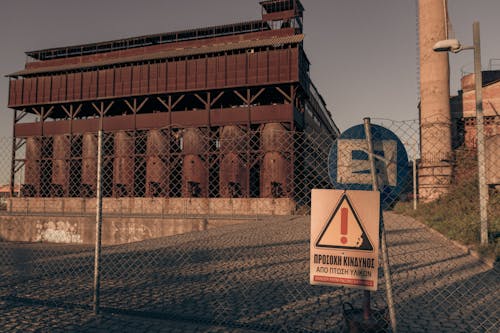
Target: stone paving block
252,275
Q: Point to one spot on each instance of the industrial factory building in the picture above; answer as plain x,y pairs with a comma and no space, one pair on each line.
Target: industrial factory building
463,109
449,124
464,126
195,113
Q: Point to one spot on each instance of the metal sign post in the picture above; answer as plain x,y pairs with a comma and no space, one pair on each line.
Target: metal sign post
385,254
358,164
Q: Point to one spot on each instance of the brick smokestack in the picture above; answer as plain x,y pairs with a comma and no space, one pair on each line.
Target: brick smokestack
435,118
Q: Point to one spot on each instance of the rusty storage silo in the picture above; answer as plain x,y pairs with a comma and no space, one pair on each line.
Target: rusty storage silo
89,165
157,149
61,152
275,137
123,164
46,164
233,174
194,169
31,185
275,140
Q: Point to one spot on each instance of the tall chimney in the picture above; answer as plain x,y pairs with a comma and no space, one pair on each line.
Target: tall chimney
435,119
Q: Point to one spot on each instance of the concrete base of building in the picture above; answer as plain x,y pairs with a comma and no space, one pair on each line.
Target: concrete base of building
126,220
434,180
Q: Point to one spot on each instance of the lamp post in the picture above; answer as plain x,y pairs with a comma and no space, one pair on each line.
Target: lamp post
453,45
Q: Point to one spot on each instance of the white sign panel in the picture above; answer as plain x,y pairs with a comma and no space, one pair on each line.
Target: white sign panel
345,238
353,165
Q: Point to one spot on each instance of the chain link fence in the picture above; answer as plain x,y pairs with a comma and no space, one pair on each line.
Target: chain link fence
212,226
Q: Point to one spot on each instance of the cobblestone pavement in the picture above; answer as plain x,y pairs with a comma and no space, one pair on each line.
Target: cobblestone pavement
21,317
251,276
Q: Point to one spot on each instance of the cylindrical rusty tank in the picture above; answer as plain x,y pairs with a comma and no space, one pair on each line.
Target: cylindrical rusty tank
89,165
157,149
274,176
194,142
275,137
275,168
233,176
61,154
232,139
123,165
31,185
194,177
194,170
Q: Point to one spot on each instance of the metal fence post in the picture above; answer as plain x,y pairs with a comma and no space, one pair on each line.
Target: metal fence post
383,240
483,188
13,160
414,167
98,224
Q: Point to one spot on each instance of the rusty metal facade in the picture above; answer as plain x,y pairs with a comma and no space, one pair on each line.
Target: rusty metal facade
178,115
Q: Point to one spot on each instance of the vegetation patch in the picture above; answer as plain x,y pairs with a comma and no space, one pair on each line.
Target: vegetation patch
456,215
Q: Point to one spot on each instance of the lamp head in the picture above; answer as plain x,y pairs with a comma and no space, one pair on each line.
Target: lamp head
448,45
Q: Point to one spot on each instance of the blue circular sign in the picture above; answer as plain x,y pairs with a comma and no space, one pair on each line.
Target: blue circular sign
349,166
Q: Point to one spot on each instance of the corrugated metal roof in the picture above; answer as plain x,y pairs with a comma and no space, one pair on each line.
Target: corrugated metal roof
94,48
167,54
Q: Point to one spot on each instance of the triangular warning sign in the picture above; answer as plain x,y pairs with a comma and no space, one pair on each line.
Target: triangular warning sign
344,230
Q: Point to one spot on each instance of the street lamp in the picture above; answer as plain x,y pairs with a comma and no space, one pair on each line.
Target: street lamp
453,45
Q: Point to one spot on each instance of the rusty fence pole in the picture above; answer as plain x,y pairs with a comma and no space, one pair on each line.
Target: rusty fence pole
383,240
98,223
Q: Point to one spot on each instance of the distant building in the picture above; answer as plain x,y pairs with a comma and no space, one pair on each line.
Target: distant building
463,110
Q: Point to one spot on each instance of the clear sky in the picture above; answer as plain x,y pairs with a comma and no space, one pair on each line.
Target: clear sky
363,52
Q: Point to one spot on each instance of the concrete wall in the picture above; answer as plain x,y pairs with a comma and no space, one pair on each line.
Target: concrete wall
153,206
81,230
125,220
